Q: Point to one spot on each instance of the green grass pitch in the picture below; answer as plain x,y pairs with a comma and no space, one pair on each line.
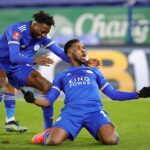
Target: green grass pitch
131,119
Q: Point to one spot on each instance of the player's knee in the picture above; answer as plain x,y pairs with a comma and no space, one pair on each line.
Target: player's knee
3,84
3,81
113,140
10,89
55,141
45,88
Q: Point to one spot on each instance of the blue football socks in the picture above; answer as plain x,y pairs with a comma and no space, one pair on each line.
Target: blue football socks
10,103
47,115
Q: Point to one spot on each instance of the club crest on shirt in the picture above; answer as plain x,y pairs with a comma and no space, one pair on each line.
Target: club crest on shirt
89,71
16,35
36,47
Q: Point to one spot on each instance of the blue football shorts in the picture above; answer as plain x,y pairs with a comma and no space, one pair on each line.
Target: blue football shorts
72,124
17,74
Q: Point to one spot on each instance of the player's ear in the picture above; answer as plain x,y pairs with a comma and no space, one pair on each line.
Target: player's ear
69,54
34,24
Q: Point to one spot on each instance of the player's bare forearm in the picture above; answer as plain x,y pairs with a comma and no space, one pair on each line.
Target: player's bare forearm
42,102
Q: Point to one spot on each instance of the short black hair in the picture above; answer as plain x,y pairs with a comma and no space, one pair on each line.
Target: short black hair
42,17
69,44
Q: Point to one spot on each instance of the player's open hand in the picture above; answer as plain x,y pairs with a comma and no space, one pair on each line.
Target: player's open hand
43,60
93,62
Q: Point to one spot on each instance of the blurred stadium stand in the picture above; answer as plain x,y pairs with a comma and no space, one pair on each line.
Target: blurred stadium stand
6,3
134,13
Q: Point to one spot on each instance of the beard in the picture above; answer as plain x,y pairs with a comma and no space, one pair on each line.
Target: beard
79,61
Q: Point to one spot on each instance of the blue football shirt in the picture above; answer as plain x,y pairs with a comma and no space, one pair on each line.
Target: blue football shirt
16,43
82,86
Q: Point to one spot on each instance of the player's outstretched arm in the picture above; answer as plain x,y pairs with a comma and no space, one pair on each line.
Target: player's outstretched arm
59,52
15,57
30,98
123,96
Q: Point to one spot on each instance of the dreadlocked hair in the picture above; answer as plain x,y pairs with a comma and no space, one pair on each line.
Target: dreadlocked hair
42,17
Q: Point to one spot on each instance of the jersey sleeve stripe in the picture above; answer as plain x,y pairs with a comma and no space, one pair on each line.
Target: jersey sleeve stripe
54,87
49,44
103,87
13,42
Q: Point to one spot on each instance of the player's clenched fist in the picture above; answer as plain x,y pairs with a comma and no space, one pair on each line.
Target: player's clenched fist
43,60
28,96
93,62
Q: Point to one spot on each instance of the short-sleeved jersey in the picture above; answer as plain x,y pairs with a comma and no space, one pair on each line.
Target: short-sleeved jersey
81,87
19,34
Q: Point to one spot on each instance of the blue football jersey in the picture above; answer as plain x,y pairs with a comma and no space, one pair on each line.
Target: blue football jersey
82,86
17,42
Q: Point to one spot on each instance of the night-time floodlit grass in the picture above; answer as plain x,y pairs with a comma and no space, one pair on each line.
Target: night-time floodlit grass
131,119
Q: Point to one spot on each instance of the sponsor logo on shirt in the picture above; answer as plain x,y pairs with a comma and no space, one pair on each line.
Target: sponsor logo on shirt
76,81
16,35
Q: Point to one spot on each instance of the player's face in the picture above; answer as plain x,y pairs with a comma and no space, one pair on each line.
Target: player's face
39,30
78,53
